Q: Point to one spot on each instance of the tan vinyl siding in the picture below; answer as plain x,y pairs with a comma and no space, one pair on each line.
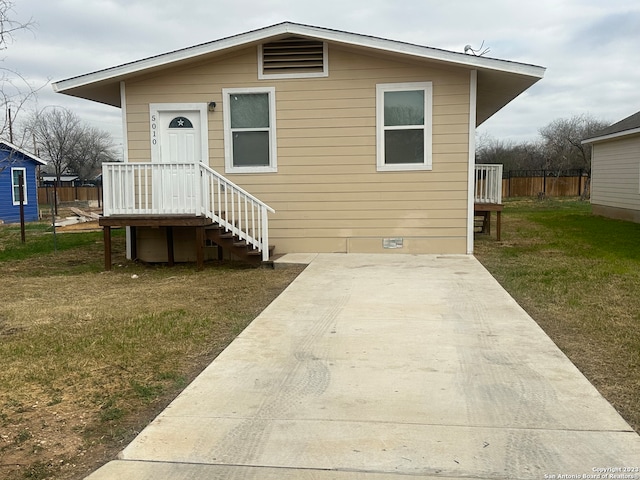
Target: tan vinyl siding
616,173
327,193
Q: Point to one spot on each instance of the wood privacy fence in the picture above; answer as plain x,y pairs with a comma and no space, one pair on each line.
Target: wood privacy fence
70,194
515,183
531,183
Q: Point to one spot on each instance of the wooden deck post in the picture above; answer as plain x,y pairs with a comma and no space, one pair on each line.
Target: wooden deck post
164,223
486,223
107,247
200,247
484,210
134,243
170,253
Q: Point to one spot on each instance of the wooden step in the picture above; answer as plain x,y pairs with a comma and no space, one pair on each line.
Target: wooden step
259,253
226,240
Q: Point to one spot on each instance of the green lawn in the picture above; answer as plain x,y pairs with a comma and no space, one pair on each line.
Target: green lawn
578,276
88,358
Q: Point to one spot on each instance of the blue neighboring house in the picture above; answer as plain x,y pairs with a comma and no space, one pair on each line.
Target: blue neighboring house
13,161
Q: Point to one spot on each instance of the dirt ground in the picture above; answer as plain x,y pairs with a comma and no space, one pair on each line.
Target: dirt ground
86,363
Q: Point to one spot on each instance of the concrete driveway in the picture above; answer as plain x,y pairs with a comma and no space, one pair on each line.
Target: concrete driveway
381,367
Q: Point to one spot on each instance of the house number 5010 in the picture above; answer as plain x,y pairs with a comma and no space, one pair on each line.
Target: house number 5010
154,130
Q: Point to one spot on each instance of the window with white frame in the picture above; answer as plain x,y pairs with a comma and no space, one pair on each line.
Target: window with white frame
404,123
15,184
250,130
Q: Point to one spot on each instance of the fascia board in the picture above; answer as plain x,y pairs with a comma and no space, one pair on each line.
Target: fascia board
23,152
165,59
429,53
257,36
611,136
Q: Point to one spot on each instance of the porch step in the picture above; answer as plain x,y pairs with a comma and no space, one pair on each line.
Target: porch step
230,243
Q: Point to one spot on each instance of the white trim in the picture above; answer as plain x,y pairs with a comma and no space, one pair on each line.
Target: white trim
456,58
471,178
125,136
201,108
611,136
125,159
11,146
324,73
228,140
16,201
427,163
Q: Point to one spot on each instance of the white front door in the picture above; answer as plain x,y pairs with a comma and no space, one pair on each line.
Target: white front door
178,133
178,137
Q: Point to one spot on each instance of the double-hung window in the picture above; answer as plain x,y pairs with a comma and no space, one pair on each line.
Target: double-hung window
404,122
250,130
15,184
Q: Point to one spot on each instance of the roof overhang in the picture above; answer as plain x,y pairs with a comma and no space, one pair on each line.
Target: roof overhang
23,152
63,178
612,136
499,81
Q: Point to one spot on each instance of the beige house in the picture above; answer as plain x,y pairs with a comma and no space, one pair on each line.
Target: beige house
300,138
615,170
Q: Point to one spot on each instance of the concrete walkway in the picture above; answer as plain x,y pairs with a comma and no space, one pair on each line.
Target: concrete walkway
381,367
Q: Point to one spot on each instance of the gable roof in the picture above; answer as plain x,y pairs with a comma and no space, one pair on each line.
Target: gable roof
499,81
626,126
10,146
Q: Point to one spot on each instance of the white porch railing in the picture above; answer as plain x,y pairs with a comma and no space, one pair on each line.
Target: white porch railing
488,183
186,189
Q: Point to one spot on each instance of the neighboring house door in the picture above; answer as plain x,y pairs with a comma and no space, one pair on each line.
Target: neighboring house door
179,144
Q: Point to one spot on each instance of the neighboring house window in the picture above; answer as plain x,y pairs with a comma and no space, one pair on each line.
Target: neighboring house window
250,130
15,184
404,126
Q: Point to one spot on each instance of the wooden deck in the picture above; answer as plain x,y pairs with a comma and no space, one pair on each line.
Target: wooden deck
156,221
484,210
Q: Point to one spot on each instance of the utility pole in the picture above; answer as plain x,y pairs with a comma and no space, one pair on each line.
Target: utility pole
10,127
21,181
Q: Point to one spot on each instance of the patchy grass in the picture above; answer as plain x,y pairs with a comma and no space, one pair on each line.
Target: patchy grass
88,358
41,241
578,276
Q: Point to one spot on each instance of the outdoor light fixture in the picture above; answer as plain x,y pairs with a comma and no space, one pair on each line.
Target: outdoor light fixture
212,106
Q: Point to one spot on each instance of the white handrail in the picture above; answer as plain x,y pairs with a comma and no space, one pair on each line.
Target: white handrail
186,189
236,210
488,183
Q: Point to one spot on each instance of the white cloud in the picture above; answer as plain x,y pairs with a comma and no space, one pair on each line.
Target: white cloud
588,46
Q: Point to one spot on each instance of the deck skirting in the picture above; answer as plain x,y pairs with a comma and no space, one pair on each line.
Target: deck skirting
155,221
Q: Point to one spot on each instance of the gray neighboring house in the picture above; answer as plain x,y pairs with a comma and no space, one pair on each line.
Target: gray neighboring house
615,170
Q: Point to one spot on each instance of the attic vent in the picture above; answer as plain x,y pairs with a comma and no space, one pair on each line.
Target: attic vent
293,57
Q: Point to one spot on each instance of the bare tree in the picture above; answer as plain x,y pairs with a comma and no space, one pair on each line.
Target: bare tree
67,144
563,148
15,89
8,25
513,156
55,132
562,139
94,147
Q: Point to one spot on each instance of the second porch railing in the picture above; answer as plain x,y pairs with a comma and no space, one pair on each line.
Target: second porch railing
488,183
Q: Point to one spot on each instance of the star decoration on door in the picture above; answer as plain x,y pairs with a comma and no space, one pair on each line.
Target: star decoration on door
180,122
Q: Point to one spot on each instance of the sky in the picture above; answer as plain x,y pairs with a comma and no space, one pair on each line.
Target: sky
589,47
